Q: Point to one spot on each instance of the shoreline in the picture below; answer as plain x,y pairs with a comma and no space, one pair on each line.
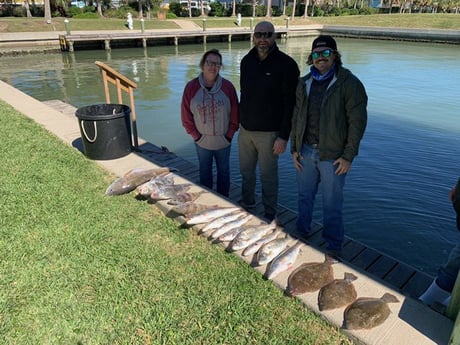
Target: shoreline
410,321
12,44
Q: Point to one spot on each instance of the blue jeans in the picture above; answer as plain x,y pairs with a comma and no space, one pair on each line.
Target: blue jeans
447,274
222,158
313,172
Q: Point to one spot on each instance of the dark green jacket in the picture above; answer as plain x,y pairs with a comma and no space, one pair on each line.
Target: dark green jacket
343,116
456,203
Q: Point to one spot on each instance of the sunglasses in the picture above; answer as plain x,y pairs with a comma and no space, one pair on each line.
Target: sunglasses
325,53
263,34
213,64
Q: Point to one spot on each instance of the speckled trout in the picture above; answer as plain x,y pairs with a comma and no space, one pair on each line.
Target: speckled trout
209,215
221,221
253,248
271,249
230,225
231,234
187,208
250,235
284,261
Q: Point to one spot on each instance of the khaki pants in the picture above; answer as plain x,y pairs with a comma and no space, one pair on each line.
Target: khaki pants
257,147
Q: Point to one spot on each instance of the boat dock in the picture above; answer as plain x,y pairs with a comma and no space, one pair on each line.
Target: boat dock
410,321
108,40
151,38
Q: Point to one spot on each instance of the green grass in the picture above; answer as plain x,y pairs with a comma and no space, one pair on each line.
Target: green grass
421,21
57,24
79,267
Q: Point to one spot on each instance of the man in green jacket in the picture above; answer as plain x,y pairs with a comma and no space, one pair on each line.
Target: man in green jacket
328,123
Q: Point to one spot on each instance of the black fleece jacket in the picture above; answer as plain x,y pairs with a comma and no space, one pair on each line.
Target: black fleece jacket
268,92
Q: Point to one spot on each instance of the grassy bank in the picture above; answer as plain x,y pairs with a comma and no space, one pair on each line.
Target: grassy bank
422,21
79,267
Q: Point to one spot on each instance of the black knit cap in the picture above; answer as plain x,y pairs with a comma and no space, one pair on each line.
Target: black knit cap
325,41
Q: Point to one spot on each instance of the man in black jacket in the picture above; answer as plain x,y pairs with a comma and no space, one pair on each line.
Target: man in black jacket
268,81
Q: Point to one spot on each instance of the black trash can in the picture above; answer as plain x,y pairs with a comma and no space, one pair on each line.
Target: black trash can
105,130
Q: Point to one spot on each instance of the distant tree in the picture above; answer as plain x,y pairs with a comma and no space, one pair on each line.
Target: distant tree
99,8
269,9
47,6
293,10
27,7
217,9
190,8
305,13
254,5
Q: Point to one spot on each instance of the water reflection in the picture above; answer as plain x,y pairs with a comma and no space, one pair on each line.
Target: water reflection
396,194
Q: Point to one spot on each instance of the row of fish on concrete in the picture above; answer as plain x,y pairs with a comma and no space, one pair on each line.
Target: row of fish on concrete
266,242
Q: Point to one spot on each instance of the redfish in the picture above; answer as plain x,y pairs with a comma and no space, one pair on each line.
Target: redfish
133,178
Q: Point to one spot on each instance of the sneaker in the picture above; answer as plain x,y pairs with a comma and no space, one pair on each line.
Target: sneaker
247,206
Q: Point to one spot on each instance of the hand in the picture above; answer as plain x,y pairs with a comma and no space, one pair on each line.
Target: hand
279,146
451,194
343,166
296,157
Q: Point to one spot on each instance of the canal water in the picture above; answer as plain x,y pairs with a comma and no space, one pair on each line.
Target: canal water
396,198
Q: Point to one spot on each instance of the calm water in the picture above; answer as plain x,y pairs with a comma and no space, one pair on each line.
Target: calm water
396,194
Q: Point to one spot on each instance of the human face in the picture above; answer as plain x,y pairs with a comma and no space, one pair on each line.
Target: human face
211,67
264,38
323,64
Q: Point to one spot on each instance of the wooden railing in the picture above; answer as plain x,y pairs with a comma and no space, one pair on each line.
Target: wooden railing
109,75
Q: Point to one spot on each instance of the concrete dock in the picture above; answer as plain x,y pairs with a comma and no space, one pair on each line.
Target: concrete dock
410,321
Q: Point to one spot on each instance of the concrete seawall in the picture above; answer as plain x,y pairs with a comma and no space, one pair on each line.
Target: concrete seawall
410,322
30,42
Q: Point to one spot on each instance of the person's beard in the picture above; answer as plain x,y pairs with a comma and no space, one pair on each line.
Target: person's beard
264,49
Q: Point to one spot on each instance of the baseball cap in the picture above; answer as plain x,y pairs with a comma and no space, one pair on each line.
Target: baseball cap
325,41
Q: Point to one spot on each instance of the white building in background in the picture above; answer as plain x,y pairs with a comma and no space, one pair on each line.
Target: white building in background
196,4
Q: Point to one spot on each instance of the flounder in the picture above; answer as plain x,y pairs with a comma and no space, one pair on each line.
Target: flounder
310,277
338,293
368,312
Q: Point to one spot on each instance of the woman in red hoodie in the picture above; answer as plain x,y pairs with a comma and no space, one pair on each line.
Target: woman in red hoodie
209,113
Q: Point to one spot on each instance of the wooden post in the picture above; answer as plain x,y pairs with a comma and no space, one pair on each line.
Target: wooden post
109,75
